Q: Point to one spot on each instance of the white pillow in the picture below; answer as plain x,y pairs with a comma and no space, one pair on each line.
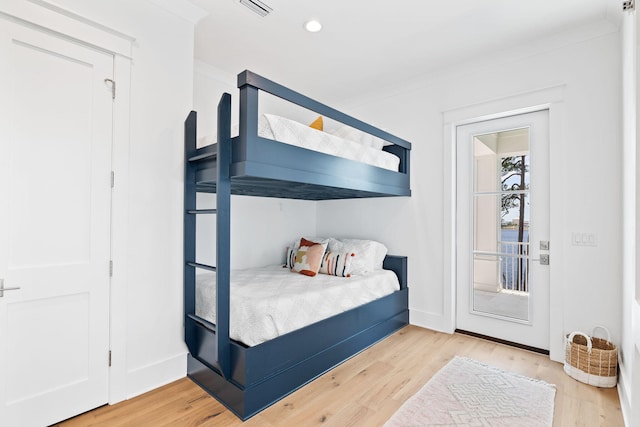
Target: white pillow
368,254
353,134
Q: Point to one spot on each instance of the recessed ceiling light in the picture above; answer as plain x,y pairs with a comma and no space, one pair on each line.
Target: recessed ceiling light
312,26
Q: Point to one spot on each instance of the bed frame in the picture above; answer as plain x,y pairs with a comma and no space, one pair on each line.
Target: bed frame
248,379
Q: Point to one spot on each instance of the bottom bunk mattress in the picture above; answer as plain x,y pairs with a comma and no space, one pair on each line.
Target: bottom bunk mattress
270,301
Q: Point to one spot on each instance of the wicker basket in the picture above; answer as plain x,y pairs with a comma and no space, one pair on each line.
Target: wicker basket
591,360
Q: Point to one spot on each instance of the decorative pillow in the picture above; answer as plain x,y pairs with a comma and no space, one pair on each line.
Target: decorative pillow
368,254
353,134
308,257
336,264
317,123
290,258
322,240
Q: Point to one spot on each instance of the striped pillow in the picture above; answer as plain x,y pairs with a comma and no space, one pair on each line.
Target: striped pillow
290,258
336,264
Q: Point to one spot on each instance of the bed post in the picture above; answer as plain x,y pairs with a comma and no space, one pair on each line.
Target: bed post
397,264
248,111
223,235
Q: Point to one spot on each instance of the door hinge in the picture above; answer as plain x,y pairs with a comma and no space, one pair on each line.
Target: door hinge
113,179
113,87
628,5
109,357
110,268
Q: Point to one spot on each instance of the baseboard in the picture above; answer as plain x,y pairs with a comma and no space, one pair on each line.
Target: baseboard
437,322
625,403
154,375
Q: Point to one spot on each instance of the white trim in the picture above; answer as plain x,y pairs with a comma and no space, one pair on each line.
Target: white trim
183,9
556,210
551,98
52,18
519,103
433,321
624,396
79,18
449,236
120,231
157,374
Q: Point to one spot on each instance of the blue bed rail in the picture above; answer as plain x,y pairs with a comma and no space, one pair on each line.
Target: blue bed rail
250,84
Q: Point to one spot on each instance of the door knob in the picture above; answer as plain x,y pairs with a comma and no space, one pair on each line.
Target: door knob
2,288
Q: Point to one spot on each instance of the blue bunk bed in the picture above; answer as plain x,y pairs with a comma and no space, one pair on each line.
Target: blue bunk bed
248,379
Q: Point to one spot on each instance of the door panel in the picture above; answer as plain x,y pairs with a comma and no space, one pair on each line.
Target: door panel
55,200
502,216
55,166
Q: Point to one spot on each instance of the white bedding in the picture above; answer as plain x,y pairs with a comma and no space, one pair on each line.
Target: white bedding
291,132
271,301
294,133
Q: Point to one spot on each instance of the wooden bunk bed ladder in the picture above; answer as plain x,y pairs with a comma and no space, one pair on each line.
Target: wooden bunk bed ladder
221,347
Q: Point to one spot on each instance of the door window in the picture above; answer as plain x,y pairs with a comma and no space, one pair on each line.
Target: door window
500,201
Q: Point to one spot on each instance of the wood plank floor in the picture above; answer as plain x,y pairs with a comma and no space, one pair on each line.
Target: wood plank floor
366,390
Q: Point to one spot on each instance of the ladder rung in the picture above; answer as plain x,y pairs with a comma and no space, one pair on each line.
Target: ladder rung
202,211
203,266
204,153
203,322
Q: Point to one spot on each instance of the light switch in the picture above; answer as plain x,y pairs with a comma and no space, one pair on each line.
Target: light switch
577,238
583,239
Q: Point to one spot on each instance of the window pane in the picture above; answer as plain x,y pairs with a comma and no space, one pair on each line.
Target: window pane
486,220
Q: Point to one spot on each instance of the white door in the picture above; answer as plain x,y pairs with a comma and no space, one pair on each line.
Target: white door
503,228
55,202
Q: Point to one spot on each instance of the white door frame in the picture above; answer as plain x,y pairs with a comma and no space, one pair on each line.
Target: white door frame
548,98
55,20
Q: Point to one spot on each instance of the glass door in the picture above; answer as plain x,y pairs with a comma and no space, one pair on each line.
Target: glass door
502,206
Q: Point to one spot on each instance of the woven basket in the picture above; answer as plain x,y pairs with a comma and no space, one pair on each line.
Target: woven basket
591,360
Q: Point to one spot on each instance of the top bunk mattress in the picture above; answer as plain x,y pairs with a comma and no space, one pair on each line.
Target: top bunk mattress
270,301
281,129
291,132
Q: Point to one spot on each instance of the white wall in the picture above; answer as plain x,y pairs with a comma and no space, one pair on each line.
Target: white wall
587,182
147,320
161,96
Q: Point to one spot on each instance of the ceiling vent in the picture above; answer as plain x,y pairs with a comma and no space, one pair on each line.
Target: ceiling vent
257,6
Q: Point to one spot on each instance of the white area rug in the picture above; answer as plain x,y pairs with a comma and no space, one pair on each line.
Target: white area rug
466,392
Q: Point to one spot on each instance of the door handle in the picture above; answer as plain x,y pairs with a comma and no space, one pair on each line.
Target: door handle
544,259
2,288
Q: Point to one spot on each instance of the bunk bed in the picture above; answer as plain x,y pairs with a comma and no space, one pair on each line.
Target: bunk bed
247,379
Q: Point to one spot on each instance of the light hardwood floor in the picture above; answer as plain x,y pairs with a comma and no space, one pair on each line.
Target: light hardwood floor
366,390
